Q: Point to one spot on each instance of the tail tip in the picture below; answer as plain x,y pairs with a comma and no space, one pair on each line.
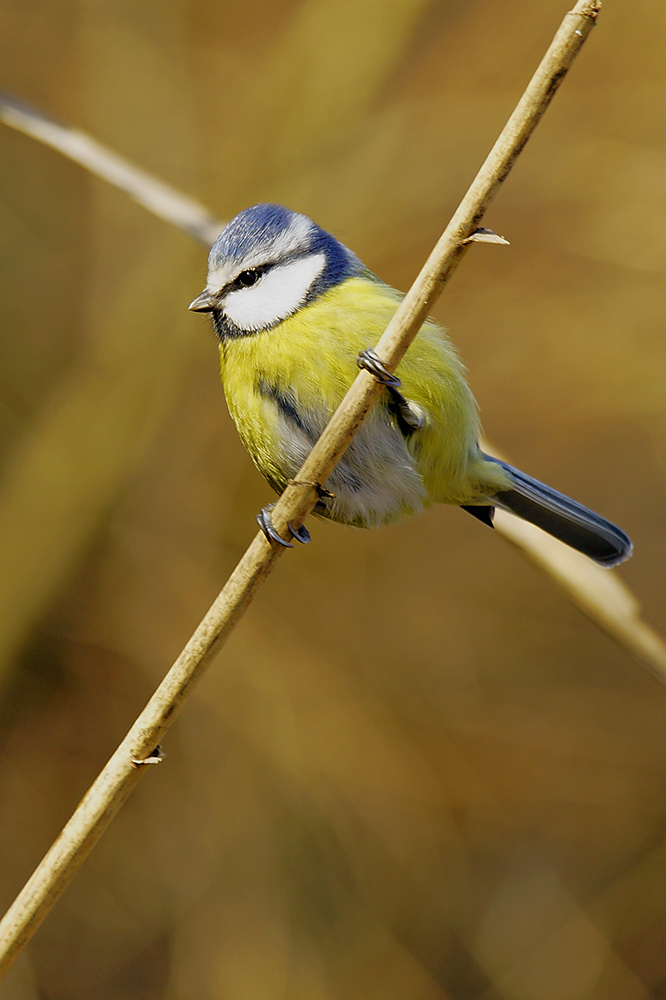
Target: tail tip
622,550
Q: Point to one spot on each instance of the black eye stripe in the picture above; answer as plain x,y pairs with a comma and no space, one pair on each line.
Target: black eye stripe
250,276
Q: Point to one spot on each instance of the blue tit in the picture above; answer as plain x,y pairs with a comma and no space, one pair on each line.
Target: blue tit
294,312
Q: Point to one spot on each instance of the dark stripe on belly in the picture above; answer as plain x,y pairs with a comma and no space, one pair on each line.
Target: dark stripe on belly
286,405
343,476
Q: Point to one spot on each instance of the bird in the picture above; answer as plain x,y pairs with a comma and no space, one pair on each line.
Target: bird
295,312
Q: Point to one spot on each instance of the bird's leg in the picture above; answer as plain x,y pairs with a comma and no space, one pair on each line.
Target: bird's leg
409,415
265,522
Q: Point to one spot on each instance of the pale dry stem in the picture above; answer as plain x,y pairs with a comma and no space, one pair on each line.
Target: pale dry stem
118,778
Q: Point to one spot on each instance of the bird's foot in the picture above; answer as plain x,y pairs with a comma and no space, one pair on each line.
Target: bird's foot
409,415
265,522
370,361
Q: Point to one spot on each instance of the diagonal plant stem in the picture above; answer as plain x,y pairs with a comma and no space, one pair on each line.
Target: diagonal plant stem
603,597
122,772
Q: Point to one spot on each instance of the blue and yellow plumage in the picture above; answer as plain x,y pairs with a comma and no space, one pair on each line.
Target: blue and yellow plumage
293,308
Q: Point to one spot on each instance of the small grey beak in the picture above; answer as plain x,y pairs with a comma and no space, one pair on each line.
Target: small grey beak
204,303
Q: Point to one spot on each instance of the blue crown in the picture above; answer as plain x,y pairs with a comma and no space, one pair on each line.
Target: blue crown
269,227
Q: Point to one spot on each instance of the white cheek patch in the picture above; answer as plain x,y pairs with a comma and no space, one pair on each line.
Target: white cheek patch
278,294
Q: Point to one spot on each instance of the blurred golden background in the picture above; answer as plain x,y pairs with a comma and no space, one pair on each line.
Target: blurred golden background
416,771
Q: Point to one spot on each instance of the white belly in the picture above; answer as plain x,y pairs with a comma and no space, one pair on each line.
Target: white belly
375,481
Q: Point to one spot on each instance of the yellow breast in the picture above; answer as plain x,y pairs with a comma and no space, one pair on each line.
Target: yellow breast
283,384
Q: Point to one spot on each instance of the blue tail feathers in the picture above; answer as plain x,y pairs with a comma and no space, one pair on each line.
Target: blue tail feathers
563,518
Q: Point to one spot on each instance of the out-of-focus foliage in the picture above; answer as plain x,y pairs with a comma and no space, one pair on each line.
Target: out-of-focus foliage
416,771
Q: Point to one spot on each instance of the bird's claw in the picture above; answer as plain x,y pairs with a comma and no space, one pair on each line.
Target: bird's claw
410,415
265,522
370,361
301,534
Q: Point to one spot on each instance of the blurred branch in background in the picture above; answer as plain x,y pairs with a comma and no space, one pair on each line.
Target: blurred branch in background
602,596
159,198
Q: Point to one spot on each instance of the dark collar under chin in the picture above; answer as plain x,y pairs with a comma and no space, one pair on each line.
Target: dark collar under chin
225,329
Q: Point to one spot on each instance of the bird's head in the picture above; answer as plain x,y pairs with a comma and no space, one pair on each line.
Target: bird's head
265,265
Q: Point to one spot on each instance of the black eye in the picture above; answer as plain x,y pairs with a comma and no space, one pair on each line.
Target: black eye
247,278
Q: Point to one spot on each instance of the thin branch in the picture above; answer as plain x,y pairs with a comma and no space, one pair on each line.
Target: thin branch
122,772
161,199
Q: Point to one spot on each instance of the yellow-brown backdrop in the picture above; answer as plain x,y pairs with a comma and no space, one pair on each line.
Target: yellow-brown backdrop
416,771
